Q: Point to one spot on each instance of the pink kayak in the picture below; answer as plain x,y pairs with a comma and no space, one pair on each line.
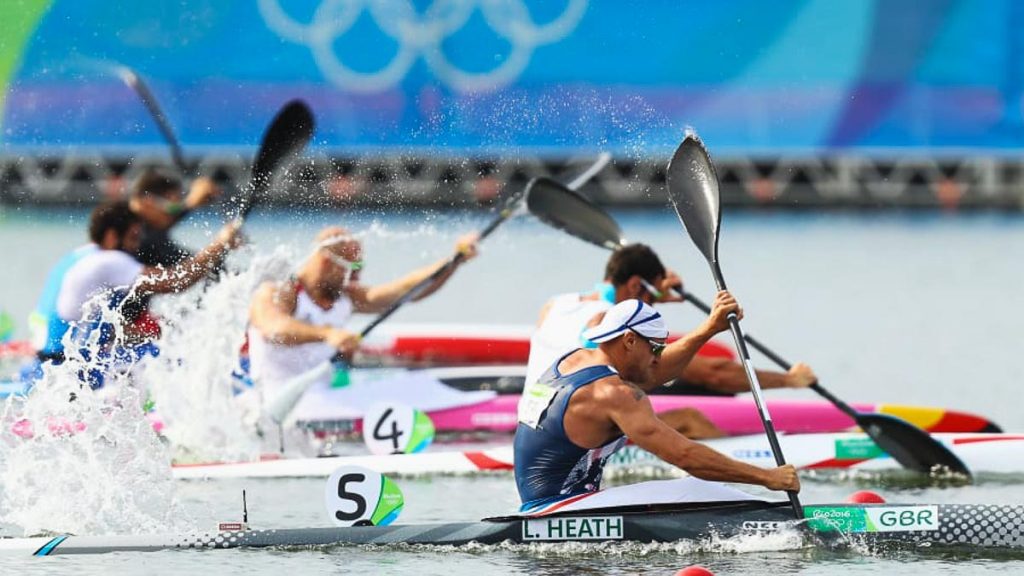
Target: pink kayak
733,415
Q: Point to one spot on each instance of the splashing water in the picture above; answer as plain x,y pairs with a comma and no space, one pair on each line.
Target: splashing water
89,462
191,383
84,462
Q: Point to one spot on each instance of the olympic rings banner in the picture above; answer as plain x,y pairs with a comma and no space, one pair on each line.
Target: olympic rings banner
453,77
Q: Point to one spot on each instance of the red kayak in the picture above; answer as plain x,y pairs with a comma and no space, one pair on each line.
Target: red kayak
448,344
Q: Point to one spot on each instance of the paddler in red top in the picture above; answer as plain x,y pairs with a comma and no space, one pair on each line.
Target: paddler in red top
300,322
635,271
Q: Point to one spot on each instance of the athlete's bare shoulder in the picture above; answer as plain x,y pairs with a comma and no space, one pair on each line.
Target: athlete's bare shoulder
615,391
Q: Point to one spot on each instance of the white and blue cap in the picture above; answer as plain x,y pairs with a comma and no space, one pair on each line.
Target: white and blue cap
628,315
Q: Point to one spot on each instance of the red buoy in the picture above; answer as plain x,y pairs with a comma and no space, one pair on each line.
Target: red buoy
695,571
865,497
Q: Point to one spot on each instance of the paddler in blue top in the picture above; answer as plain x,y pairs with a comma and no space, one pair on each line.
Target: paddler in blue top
107,265
157,203
589,402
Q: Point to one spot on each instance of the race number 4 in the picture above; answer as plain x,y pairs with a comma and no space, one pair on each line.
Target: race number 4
396,429
357,496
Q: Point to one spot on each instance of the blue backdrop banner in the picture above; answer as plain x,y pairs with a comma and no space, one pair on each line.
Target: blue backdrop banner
541,77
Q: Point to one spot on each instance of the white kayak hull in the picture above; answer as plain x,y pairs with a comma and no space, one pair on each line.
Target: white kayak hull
981,453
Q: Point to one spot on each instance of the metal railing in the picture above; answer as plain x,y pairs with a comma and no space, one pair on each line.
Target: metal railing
785,182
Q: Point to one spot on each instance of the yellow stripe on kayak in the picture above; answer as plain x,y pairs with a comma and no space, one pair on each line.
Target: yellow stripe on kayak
922,417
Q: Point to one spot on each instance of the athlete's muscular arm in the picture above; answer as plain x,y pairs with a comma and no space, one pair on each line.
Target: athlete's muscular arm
679,353
630,410
724,375
271,312
373,299
156,280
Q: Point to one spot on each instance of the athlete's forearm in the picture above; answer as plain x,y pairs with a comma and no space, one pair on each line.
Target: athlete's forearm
378,298
272,315
292,332
184,275
707,464
727,376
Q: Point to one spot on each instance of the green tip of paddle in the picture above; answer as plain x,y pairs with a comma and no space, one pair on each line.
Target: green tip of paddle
6,326
341,378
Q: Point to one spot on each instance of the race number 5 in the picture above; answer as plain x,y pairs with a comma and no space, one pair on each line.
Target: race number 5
396,429
357,496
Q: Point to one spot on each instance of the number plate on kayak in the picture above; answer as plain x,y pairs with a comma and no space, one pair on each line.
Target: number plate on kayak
872,519
574,528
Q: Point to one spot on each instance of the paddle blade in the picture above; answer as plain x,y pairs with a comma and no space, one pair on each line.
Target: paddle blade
693,190
912,447
141,89
286,137
278,406
565,209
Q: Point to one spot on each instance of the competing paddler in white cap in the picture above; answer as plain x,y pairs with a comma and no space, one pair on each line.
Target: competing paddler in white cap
296,324
589,402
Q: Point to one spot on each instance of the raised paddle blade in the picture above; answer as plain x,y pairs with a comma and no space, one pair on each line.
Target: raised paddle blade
286,136
693,190
910,446
139,86
558,206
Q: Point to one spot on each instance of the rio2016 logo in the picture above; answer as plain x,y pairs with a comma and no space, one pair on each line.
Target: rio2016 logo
421,35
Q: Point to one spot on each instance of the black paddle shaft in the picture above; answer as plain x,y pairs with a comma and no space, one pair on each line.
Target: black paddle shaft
512,208
136,83
692,186
766,418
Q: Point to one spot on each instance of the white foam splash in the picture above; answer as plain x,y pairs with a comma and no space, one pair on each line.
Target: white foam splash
94,465
191,383
85,463
776,541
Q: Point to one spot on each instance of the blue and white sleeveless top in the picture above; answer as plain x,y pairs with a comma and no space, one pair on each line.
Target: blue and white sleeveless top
548,466
45,323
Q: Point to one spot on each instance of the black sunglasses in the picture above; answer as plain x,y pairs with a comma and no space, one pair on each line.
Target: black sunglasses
656,347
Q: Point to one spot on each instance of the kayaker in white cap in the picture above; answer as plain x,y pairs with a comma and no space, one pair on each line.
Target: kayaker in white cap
635,271
588,403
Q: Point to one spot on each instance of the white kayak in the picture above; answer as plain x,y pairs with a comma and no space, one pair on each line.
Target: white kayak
982,453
